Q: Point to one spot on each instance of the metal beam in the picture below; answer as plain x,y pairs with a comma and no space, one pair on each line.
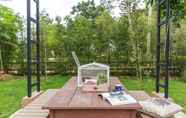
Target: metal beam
33,20
38,46
158,49
29,70
166,65
167,49
31,42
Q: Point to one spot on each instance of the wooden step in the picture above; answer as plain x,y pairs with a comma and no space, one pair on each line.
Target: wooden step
34,109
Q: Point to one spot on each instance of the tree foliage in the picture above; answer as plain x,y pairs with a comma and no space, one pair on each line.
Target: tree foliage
9,26
94,33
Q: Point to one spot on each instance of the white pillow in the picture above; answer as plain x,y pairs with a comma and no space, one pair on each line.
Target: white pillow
160,107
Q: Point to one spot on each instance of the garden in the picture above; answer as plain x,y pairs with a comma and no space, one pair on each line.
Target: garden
119,33
13,89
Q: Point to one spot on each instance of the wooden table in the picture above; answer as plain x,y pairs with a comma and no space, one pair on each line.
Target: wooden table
71,102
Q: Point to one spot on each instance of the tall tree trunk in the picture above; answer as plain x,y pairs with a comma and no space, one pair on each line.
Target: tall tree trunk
134,44
148,52
108,55
46,58
1,60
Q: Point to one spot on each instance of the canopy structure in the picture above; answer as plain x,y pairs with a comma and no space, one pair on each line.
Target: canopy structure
33,60
163,21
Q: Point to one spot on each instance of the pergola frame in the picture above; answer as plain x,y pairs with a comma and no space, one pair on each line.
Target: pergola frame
165,66
30,41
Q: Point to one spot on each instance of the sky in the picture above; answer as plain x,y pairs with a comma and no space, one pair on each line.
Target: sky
53,7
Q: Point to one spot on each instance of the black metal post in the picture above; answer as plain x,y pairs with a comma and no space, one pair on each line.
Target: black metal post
38,46
29,48
158,48
161,23
29,70
167,53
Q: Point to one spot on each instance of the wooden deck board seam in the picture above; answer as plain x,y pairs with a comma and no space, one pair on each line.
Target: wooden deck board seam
34,109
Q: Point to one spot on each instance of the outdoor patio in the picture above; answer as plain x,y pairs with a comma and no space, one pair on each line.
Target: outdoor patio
40,103
98,59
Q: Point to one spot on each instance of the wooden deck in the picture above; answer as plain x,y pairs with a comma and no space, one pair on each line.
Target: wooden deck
72,102
71,97
34,109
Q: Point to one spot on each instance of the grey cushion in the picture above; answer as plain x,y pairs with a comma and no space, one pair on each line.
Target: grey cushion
161,107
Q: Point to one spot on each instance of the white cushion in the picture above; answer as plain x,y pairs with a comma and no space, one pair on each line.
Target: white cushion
160,107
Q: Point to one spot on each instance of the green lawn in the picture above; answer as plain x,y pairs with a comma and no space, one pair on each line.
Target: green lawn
13,89
177,88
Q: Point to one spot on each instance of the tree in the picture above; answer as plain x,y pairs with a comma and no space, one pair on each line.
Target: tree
105,29
149,33
178,9
59,34
87,9
9,26
127,9
79,37
108,4
121,40
85,13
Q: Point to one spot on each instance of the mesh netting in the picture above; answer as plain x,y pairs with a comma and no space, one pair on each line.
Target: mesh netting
92,74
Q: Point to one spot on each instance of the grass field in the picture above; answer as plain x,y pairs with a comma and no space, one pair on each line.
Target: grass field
177,88
13,89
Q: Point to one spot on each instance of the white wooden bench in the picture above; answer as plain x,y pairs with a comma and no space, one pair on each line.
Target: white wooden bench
34,109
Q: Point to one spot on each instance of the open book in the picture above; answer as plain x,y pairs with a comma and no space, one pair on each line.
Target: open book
118,98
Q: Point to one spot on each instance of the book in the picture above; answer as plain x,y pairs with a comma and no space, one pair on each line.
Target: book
118,98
